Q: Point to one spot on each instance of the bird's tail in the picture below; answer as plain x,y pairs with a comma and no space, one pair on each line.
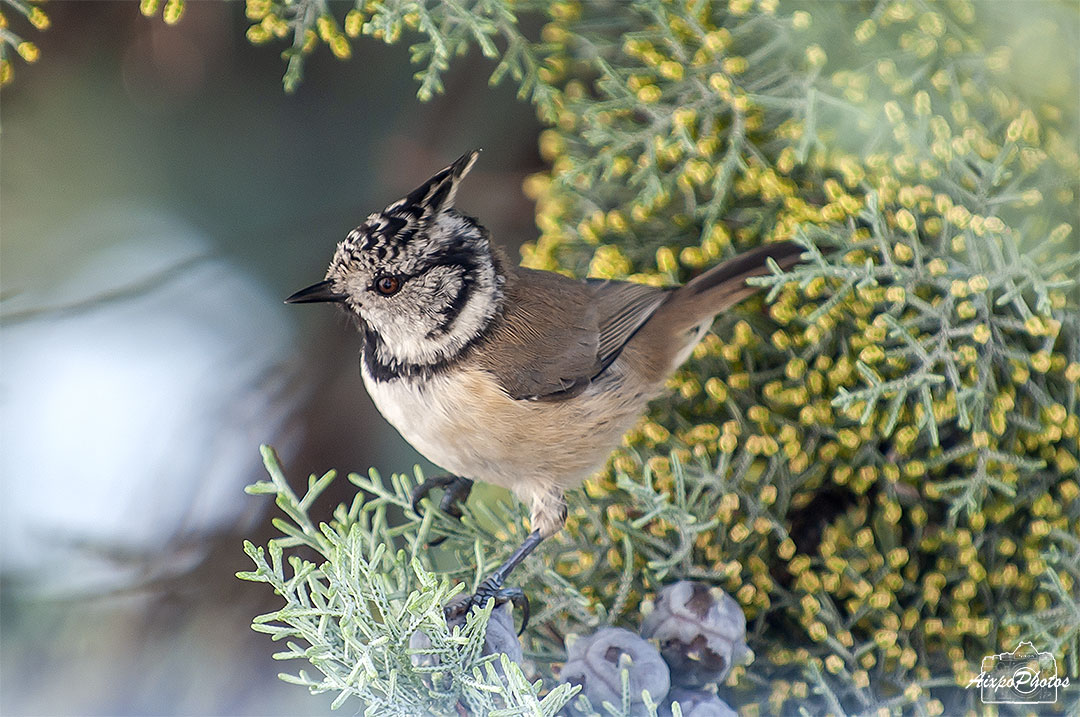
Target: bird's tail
679,323
725,285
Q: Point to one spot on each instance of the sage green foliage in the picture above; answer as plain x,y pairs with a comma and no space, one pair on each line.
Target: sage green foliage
376,580
355,610
879,456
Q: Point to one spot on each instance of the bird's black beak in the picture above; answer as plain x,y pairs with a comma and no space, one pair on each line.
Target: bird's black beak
323,291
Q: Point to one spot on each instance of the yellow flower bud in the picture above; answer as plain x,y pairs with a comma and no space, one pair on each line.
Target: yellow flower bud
339,45
28,51
38,18
649,94
671,70
665,260
865,30
905,221
922,103
1072,372
1060,232
174,10
815,56
258,35
936,267
354,23
257,9
893,112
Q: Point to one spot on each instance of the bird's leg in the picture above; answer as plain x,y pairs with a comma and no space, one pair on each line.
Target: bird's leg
547,516
492,586
456,492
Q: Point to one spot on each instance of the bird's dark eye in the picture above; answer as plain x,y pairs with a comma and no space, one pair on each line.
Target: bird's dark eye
387,285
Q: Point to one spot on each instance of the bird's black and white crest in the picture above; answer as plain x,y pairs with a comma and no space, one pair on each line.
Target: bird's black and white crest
421,278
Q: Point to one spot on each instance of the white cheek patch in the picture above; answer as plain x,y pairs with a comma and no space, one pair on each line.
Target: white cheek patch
356,285
444,285
431,323
450,295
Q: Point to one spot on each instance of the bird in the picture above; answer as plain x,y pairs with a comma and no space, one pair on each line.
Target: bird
516,377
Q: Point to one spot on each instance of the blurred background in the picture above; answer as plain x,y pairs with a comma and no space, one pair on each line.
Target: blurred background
159,196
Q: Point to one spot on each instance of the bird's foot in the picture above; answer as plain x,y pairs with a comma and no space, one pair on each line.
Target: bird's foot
492,586
493,589
456,492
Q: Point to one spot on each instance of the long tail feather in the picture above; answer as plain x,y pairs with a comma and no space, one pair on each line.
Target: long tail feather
729,278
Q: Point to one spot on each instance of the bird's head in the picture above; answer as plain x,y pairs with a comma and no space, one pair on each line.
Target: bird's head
419,275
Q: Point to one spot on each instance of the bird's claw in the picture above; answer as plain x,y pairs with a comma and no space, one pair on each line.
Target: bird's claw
489,589
456,489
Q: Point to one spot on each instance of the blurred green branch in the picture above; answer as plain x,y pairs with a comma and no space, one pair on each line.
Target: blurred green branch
11,42
448,27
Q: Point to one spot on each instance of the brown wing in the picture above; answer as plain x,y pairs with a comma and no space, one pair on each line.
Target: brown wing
557,334
622,308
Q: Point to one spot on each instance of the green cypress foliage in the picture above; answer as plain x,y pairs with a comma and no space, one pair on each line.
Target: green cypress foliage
877,457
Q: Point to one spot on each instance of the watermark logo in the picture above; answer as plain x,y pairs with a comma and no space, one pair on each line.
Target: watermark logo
1022,677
